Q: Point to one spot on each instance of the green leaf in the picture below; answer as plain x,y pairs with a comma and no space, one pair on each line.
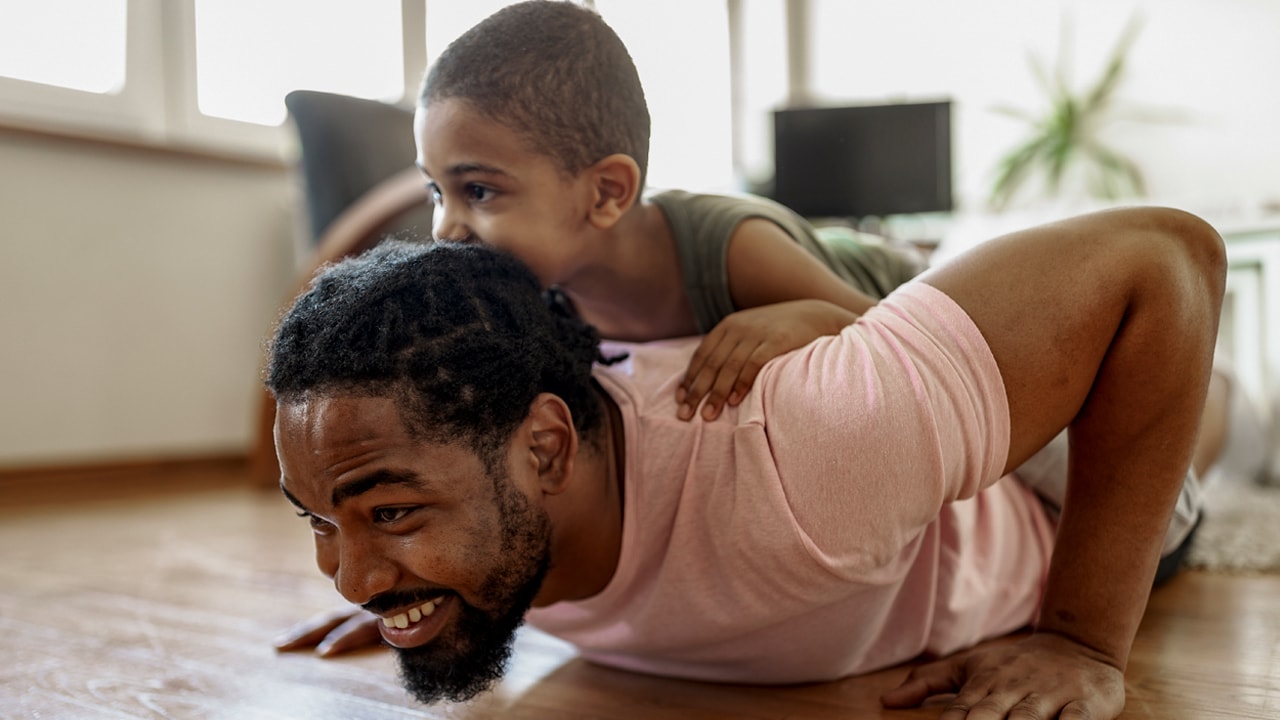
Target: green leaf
1106,85
1016,113
1065,134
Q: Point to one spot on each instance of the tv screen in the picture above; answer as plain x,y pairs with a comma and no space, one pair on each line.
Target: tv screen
863,160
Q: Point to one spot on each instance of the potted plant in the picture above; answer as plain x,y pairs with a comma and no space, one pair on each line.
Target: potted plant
1064,136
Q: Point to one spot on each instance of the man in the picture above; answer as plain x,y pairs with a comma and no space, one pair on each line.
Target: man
462,459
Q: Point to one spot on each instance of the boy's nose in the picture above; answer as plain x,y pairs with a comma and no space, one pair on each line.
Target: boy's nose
447,227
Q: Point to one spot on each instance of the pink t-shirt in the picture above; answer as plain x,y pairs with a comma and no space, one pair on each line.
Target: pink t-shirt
847,516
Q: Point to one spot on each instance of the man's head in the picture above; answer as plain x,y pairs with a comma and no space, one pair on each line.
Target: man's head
428,402
533,134
460,337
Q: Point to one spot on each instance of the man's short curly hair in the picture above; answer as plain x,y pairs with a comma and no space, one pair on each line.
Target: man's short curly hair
459,336
557,75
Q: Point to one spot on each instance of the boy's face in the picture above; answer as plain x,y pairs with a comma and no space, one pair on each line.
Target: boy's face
490,187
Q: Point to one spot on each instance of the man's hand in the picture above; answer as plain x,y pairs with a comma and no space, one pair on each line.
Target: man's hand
1042,676
332,633
726,363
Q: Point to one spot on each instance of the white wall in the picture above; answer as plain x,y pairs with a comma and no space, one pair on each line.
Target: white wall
135,289
1210,65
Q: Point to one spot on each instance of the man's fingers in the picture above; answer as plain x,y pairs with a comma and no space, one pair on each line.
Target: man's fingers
357,633
1080,710
1043,676
978,707
923,683
311,632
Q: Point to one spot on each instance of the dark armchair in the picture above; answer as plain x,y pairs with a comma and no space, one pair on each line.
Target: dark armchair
361,185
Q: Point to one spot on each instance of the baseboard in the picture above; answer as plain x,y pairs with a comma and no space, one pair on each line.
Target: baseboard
117,478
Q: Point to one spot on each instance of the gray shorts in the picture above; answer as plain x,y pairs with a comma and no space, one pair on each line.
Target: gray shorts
1046,474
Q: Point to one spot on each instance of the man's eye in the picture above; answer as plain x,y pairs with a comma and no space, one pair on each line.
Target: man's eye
390,515
316,523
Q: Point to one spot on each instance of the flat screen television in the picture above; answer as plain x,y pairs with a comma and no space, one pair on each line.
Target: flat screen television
863,160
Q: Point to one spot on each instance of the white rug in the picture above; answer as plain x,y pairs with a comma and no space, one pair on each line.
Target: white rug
1240,532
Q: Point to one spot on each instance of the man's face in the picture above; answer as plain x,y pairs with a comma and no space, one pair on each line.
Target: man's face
490,187
447,552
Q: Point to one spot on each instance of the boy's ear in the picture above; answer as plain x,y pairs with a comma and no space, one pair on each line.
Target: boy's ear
615,182
552,442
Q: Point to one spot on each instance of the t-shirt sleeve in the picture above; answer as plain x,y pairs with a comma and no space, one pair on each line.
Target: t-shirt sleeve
873,430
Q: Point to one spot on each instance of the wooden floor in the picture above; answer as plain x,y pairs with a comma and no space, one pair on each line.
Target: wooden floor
154,595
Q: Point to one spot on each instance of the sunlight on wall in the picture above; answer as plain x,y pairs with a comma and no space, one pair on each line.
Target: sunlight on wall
1190,68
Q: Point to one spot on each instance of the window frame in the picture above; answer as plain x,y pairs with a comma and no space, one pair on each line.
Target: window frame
158,105
127,114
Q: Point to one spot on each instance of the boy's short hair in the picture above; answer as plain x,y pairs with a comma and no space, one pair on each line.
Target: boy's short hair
556,74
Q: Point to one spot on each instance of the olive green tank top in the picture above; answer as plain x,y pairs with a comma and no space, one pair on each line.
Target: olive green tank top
703,224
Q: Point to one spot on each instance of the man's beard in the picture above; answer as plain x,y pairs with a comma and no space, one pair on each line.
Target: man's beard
468,658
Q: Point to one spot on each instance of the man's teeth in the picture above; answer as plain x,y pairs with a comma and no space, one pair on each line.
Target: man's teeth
405,619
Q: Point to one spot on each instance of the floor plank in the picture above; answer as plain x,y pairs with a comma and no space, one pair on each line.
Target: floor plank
157,598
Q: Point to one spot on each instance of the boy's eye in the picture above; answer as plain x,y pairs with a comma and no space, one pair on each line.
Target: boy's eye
390,514
434,189
479,193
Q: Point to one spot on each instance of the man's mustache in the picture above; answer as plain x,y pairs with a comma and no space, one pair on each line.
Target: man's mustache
396,599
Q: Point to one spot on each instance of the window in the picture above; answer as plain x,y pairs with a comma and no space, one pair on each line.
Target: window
681,49
81,65
687,91
210,74
213,73
447,19
245,64
89,51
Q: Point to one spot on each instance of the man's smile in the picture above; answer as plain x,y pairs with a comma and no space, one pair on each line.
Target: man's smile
418,625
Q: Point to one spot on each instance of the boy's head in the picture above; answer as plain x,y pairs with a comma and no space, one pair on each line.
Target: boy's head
555,74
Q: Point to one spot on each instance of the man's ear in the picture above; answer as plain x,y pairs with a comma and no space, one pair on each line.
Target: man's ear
615,181
552,441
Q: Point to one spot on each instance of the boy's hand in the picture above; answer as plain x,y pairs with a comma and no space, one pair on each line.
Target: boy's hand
1042,676
731,355
333,633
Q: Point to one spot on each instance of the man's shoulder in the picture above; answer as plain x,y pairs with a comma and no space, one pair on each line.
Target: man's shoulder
646,373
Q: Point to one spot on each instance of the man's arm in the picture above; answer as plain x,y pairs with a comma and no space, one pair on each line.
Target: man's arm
1104,324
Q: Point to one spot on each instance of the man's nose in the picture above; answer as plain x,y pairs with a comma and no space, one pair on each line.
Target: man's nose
359,570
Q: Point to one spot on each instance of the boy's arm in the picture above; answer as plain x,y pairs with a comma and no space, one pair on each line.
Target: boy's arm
767,270
766,266
1104,324
728,359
